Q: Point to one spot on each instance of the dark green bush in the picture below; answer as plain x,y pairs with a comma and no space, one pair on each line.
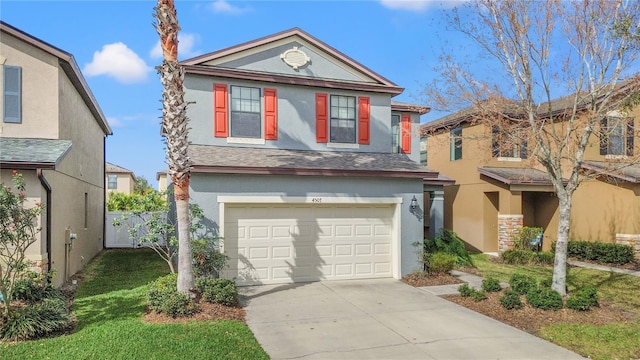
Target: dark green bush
219,291
441,263
546,282
465,290
207,260
491,285
524,236
527,257
606,253
448,242
36,320
34,287
543,258
583,299
544,298
511,300
521,283
163,297
478,295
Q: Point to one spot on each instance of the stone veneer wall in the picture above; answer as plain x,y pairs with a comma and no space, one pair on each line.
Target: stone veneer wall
632,240
507,226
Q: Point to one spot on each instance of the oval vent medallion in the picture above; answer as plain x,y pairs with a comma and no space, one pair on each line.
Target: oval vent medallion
295,58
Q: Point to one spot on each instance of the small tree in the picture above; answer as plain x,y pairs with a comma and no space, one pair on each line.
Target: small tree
141,185
18,231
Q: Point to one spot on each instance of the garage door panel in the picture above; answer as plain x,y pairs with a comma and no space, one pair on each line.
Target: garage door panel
282,243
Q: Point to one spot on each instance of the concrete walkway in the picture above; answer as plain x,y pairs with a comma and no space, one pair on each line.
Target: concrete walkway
380,319
603,268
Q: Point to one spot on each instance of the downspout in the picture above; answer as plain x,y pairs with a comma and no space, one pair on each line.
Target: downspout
104,193
47,188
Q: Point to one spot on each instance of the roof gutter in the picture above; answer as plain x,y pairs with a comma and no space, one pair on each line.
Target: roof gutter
47,188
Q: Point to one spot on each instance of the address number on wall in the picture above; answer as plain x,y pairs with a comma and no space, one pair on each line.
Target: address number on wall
316,200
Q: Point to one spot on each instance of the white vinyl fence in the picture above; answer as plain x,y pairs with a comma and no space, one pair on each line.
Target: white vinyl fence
118,236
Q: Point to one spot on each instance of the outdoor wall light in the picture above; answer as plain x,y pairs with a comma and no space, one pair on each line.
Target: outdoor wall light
414,203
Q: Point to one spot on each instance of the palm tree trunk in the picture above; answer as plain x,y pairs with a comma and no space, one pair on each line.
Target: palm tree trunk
175,131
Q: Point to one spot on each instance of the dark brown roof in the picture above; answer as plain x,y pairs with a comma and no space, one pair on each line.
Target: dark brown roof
629,172
247,160
440,180
406,107
111,168
196,66
516,176
68,64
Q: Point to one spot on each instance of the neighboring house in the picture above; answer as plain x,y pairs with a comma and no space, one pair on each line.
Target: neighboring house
163,180
53,132
119,179
303,164
499,188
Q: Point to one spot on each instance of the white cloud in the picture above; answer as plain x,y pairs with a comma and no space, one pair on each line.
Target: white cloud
186,42
114,122
223,6
419,5
118,61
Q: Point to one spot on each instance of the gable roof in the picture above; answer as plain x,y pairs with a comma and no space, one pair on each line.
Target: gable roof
629,172
111,168
197,65
406,107
246,160
21,153
68,64
516,176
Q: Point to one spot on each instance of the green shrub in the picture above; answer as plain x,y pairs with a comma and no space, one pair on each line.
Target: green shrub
524,236
448,242
491,285
465,290
163,297
544,298
207,260
219,291
583,299
33,287
521,283
441,263
543,257
516,256
546,282
36,320
606,253
511,300
478,295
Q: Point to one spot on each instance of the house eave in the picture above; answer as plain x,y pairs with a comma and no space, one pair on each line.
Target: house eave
237,170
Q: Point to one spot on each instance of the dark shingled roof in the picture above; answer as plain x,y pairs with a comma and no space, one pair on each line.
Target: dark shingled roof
516,176
247,160
620,170
45,153
111,168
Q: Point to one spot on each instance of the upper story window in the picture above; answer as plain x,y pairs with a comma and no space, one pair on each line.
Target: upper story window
395,134
245,112
508,143
456,144
12,94
423,150
616,136
112,182
343,119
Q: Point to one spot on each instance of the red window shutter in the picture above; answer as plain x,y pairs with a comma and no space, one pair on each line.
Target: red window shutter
406,133
363,120
220,110
270,114
322,124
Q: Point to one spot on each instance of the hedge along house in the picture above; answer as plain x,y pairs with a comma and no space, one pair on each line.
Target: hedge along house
303,164
53,132
499,187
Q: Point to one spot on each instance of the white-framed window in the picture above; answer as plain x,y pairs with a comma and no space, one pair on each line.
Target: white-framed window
423,150
112,182
12,94
508,143
343,119
456,144
245,112
396,133
617,136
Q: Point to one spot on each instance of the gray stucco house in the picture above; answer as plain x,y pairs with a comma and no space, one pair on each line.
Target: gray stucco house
304,164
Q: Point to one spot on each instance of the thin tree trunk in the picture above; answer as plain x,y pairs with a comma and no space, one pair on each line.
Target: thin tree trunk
185,266
559,282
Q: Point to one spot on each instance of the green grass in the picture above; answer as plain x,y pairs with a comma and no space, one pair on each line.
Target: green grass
109,306
612,341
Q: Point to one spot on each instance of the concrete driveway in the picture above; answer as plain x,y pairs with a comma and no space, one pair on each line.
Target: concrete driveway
380,319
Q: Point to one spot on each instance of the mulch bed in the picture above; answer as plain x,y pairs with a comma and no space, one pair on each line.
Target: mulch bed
207,311
424,279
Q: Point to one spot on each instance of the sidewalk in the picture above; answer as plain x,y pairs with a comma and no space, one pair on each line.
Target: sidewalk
603,268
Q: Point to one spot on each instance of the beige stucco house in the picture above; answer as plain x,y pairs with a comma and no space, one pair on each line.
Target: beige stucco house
499,188
53,132
163,180
118,179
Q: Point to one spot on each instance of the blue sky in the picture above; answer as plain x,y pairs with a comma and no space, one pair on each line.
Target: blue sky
117,48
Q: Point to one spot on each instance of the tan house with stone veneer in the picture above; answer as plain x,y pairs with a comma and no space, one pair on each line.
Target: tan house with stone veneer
53,132
499,189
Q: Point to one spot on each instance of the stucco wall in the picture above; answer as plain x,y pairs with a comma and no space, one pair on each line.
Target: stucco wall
206,188
39,90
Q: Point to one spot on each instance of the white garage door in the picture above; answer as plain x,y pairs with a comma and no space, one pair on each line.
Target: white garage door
283,243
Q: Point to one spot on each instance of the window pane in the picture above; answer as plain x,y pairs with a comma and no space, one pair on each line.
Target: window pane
245,125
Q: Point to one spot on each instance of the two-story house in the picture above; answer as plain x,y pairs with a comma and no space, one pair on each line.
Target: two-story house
53,132
303,163
119,179
500,187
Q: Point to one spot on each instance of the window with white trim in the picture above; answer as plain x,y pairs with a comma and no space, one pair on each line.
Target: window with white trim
617,136
396,133
112,182
456,144
343,119
12,94
245,112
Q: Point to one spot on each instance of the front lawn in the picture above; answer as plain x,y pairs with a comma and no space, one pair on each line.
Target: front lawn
109,306
618,291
